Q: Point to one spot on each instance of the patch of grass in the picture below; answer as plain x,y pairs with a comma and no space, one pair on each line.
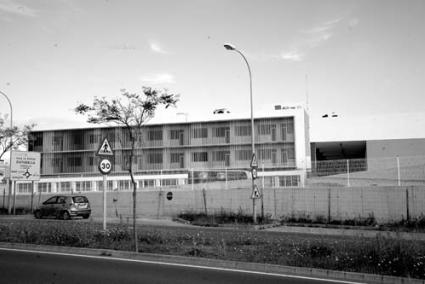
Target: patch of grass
379,255
222,217
307,219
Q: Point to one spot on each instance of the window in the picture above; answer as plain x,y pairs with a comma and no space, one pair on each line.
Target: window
51,200
91,161
200,133
154,158
74,161
80,199
264,129
147,183
220,156
83,186
94,138
61,200
169,182
124,185
175,134
243,155
200,157
265,154
78,138
57,141
44,187
287,128
220,131
24,187
56,162
288,154
243,130
285,181
109,185
64,186
126,161
176,157
155,135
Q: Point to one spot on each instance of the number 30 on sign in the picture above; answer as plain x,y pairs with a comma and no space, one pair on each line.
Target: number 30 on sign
105,166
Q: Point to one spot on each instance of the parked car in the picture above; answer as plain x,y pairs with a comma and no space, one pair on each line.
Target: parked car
64,207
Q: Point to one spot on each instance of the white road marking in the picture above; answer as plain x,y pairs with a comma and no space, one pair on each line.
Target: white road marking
184,265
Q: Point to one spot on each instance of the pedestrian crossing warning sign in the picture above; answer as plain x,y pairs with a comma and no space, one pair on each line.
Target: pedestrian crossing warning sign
105,149
255,192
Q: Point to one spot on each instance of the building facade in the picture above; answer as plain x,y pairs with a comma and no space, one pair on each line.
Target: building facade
177,154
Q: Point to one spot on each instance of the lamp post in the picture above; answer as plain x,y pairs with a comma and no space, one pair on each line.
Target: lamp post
10,155
233,48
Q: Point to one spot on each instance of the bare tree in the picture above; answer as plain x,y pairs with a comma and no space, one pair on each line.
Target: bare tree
131,111
12,138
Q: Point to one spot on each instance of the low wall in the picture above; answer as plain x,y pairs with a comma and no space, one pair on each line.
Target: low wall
386,204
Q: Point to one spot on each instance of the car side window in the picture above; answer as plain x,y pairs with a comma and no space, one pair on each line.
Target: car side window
61,200
51,200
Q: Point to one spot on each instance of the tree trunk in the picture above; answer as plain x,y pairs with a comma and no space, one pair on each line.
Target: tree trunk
133,182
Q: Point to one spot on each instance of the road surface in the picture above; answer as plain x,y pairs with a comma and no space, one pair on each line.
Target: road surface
23,266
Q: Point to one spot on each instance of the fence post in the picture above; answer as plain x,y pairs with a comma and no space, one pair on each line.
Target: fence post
32,196
398,171
204,195
262,195
192,178
407,205
348,173
225,171
329,205
14,197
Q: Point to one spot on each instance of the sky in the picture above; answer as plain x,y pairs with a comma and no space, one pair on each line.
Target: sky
362,60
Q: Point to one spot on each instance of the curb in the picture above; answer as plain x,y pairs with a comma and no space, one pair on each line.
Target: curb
198,261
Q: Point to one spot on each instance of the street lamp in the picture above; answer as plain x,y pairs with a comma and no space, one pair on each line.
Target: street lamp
11,139
231,47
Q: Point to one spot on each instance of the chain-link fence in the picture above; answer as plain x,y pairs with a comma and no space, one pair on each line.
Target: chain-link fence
385,171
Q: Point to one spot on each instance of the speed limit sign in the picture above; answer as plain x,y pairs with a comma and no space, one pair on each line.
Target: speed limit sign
105,166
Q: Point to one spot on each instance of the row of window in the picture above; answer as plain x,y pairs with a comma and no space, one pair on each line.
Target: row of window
86,186
125,185
202,156
174,134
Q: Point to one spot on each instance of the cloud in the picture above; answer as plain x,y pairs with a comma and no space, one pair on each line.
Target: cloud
320,33
161,78
15,8
156,47
291,55
309,39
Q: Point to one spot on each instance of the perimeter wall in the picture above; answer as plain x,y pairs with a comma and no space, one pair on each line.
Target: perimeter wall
385,204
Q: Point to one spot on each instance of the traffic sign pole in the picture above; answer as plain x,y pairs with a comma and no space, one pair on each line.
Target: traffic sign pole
105,168
104,202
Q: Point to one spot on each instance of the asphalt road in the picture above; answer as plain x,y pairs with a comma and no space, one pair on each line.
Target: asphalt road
20,266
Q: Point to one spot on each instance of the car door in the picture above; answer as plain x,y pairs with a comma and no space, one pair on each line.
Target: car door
48,205
59,206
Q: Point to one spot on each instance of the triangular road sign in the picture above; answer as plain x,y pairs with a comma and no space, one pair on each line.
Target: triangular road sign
254,163
255,193
105,149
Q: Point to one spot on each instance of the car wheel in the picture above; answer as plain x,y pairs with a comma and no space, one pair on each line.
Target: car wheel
86,216
65,215
37,214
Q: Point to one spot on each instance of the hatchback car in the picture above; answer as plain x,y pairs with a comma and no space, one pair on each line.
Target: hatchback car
64,207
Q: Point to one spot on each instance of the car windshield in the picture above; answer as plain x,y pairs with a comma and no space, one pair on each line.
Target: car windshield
80,199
